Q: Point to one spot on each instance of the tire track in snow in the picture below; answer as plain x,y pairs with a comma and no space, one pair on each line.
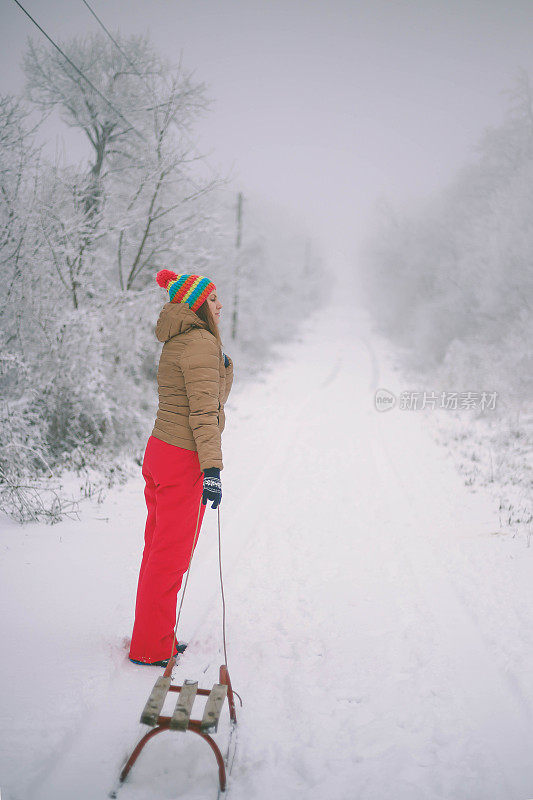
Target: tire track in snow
501,720
434,744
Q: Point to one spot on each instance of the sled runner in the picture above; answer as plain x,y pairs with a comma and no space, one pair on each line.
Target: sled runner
181,717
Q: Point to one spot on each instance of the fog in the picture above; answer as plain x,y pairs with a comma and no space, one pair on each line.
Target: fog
319,107
381,152
384,146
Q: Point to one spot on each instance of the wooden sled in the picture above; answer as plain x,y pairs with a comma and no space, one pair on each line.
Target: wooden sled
180,719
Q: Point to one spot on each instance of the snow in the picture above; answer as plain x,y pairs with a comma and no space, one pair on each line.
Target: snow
380,621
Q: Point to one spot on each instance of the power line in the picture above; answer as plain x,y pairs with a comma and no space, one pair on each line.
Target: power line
85,78
134,66
130,62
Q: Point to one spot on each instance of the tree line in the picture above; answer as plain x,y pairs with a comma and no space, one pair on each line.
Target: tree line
80,245
451,280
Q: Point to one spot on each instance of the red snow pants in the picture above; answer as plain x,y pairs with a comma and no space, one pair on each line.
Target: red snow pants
174,485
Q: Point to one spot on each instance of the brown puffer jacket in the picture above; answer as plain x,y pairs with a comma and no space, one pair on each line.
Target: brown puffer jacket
193,384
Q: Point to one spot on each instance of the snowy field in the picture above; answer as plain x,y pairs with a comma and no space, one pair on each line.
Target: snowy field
380,623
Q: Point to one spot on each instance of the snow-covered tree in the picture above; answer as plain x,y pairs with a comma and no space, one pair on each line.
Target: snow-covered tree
451,281
137,113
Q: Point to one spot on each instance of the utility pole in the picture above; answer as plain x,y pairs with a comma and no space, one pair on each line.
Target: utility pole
307,257
237,267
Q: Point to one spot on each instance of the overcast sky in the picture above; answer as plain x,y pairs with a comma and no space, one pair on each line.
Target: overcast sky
322,105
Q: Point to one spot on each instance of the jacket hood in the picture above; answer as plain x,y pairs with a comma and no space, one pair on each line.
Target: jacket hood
176,318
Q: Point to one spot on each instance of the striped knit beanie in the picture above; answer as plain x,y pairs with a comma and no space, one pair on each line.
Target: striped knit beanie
189,289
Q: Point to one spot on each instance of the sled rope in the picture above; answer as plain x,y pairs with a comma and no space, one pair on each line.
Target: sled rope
175,640
222,591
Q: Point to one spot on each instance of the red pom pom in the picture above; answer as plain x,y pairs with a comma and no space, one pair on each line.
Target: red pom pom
164,276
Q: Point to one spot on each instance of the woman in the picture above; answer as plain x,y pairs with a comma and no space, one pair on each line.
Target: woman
183,457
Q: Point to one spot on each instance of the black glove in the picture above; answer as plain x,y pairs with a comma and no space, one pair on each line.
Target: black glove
226,360
212,487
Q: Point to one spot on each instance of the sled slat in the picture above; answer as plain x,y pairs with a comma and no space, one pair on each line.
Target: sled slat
180,718
213,707
155,702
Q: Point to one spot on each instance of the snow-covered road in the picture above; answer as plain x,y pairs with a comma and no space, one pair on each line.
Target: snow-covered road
379,631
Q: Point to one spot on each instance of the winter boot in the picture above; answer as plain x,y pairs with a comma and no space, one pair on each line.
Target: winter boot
182,646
